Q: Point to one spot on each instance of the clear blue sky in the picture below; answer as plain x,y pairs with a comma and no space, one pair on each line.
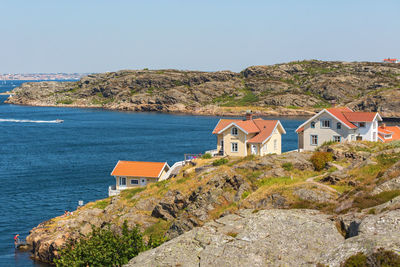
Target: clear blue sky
99,35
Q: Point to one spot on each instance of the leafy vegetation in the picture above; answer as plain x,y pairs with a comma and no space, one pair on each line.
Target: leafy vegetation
219,162
381,257
206,156
103,247
320,159
287,166
65,101
102,204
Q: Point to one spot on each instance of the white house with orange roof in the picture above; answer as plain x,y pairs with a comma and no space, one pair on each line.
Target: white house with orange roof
388,133
130,174
339,125
248,137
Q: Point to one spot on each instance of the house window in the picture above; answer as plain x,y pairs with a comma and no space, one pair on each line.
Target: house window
234,147
325,124
134,181
361,124
375,123
374,136
234,131
312,124
275,144
122,181
337,138
314,140
338,125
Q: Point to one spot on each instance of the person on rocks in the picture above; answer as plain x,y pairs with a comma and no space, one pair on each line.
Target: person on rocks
16,240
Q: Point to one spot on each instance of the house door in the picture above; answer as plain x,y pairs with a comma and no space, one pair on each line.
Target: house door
143,181
122,181
359,138
254,149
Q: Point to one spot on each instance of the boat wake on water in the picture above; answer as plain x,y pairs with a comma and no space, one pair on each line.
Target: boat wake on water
31,121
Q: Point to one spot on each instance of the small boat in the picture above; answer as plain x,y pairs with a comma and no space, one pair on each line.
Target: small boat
59,121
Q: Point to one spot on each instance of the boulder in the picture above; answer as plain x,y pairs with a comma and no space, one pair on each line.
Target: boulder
263,238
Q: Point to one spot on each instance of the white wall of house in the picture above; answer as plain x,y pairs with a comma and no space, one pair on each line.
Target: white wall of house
367,132
324,134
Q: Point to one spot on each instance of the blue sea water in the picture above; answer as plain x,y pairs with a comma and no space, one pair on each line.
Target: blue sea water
45,168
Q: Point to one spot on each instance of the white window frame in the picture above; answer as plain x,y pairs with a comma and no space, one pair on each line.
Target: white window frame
234,147
275,144
137,180
335,138
311,139
234,131
323,124
122,178
339,125
312,125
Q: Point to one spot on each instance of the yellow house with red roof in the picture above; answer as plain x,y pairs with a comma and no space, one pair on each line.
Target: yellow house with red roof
129,174
249,136
339,124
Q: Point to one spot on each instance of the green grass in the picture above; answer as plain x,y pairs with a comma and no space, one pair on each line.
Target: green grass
342,188
65,101
322,105
287,166
293,107
275,181
367,201
157,230
247,99
101,204
129,193
220,162
245,194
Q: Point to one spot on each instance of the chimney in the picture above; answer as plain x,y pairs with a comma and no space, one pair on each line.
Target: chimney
249,115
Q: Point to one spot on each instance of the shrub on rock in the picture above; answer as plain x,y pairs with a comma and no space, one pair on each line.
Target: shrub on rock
319,159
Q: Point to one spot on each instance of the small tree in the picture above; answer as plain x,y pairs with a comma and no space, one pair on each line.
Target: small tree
103,247
320,159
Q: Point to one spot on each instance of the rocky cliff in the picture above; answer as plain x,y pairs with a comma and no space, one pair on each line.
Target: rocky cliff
295,88
276,208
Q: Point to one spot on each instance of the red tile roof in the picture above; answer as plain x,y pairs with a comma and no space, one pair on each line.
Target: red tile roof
300,130
266,128
360,116
262,128
338,113
138,169
394,130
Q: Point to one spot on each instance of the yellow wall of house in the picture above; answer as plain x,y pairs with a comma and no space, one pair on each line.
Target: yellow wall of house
228,138
269,146
128,181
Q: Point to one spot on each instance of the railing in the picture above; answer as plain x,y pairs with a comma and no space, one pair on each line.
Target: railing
173,167
113,191
215,152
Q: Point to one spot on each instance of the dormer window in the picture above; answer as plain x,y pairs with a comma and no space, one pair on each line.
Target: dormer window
234,131
338,125
361,124
313,124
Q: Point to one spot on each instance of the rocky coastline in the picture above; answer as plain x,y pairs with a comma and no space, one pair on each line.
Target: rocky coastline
276,208
297,88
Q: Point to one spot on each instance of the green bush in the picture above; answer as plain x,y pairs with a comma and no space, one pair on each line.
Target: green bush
381,257
288,166
320,159
104,247
219,162
206,156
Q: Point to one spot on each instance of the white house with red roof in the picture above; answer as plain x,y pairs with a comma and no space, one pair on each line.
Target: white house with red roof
248,137
339,125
